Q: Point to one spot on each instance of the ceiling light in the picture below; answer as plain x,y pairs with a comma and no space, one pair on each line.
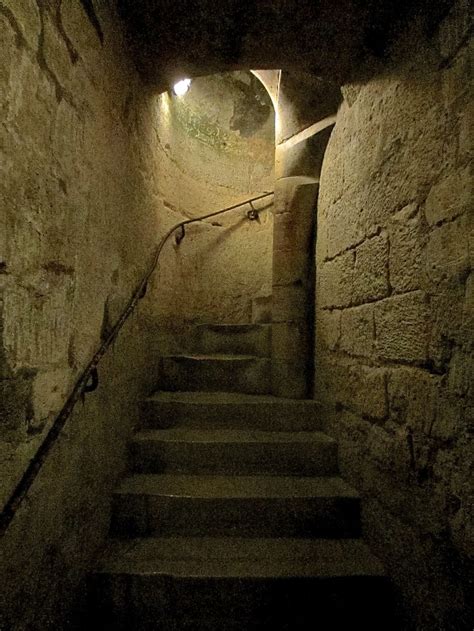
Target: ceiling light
181,87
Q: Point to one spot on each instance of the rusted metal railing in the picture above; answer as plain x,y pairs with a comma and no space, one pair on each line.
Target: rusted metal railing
89,379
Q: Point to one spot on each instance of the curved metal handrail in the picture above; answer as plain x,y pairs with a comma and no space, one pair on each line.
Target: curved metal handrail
89,379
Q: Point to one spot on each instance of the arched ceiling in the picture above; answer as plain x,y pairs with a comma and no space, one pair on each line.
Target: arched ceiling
329,38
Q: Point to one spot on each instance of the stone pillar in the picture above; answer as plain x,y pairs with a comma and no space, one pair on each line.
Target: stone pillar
293,238
298,167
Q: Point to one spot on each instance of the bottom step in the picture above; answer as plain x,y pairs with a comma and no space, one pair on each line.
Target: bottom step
247,584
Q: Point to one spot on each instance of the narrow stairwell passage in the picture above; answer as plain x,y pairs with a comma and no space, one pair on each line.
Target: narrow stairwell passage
234,515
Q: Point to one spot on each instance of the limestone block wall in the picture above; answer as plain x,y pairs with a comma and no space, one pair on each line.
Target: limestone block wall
394,314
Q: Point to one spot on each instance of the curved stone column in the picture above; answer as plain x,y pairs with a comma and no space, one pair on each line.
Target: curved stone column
300,149
293,239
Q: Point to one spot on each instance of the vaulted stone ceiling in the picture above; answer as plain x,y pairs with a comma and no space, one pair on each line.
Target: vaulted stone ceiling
331,39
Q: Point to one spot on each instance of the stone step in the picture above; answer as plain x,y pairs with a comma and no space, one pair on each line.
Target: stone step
236,339
237,452
200,505
229,410
212,339
238,583
232,373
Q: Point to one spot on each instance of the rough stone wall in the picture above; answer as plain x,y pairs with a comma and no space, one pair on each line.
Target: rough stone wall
58,530
217,148
395,314
80,214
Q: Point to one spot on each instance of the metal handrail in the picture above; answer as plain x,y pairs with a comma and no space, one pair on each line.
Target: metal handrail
89,379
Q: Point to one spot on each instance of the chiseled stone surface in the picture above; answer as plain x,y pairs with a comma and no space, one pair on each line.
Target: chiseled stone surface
402,328
295,214
357,330
24,17
216,148
451,196
407,236
395,237
371,270
335,281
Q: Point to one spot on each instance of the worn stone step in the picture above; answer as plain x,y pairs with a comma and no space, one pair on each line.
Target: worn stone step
219,583
233,451
204,505
212,338
236,339
232,373
229,410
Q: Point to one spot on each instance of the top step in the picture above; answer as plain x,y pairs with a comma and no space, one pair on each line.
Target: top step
214,339
235,339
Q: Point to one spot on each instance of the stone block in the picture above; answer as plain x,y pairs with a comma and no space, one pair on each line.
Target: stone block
328,329
321,238
447,251
370,279
446,319
366,392
359,388
406,250
290,303
402,325
334,281
291,266
293,230
27,20
289,379
289,342
412,397
461,373
342,225
357,331
450,197
332,179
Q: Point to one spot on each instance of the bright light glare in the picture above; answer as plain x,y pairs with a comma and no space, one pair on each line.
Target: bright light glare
181,87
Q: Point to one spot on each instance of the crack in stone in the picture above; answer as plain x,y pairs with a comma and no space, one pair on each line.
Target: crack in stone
89,9
73,54
446,63
61,92
20,40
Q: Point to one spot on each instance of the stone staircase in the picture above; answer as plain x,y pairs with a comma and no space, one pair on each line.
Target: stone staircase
233,515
